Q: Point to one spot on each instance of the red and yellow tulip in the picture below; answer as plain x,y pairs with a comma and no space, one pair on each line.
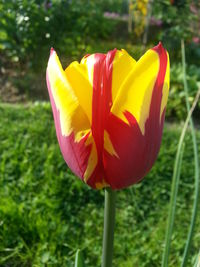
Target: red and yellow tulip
109,112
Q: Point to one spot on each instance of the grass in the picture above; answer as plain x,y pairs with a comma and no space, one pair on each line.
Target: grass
46,213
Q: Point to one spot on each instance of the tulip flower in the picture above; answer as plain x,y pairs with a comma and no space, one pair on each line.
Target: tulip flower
109,112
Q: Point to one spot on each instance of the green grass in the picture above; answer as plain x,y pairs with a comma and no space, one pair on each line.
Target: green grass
46,213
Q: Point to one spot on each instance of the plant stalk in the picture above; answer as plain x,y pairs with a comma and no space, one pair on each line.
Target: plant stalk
175,181
197,262
109,223
196,162
172,209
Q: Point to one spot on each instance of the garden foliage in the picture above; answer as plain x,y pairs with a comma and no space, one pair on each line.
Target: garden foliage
74,28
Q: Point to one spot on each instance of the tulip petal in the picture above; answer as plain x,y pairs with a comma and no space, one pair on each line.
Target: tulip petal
122,65
92,160
135,92
72,115
71,121
80,77
137,148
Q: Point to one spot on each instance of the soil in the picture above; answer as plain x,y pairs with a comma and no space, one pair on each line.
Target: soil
19,84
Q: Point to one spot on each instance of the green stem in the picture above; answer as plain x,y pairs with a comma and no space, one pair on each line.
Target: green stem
197,263
172,209
109,222
79,261
175,180
196,160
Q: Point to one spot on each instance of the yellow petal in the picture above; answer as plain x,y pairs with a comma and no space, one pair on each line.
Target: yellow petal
80,77
123,64
135,93
72,116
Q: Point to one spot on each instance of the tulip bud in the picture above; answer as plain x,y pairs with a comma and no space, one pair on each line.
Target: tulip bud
109,112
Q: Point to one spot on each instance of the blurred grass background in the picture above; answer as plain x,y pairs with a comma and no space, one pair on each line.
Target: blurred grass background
46,213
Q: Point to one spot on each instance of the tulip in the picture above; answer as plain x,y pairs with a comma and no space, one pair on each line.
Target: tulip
109,112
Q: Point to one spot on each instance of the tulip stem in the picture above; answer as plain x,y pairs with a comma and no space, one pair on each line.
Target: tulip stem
109,223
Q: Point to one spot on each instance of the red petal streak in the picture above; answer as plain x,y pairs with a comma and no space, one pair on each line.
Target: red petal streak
76,154
101,105
136,152
52,51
